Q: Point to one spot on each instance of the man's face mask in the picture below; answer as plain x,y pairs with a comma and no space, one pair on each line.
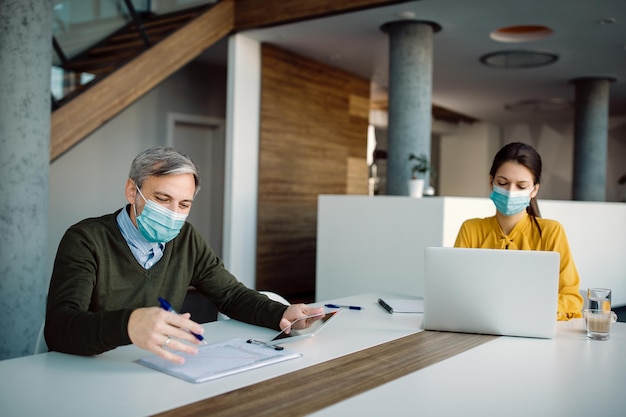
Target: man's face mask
510,202
157,223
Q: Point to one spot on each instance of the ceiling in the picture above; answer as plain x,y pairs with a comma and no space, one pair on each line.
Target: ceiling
585,43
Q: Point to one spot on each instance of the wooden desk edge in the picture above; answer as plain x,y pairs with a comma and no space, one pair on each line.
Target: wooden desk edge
310,389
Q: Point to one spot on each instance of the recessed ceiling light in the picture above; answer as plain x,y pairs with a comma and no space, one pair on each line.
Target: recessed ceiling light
514,59
521,33
541,105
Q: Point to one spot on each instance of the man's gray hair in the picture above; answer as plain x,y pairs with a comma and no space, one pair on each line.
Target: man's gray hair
160,161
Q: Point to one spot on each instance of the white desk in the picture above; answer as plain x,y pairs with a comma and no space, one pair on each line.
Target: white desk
111,384
504,376
567,376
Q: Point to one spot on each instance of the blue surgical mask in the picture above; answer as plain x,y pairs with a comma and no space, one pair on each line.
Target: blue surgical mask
510,202
157,223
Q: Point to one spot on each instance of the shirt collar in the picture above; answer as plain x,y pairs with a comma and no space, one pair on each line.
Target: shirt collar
133,237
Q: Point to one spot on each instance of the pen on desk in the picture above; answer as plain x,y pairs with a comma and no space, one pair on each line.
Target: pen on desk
165,305
343,306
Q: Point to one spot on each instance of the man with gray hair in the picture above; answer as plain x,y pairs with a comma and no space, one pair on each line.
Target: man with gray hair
110,271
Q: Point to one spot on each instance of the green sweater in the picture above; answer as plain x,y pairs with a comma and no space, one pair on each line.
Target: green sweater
97,283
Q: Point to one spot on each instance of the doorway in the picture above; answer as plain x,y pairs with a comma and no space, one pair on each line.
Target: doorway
203,140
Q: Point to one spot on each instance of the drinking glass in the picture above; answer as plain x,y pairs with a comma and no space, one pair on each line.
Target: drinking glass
598,323
599,299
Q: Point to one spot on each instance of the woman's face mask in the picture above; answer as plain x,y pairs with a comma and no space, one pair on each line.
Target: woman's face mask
157,223
510,202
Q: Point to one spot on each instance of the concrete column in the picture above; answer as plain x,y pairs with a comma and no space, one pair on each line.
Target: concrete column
591,122
25,59
410,92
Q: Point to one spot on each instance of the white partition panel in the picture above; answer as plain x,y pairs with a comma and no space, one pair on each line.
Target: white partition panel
597,237
373,244
459,209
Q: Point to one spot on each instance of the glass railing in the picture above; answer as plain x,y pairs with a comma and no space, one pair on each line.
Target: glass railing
79,26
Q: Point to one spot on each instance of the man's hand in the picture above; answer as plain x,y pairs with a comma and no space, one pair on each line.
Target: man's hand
296,311
154,329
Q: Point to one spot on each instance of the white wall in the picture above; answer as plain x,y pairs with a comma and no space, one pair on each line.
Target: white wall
555,144
595,232
466,157
242,157
89,180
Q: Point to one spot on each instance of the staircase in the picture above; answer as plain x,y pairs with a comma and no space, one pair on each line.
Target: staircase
127,67
117,49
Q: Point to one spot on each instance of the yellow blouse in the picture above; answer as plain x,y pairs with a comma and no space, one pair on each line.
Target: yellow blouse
487,234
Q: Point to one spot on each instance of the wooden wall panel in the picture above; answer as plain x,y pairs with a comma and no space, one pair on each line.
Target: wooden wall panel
358,176
312,125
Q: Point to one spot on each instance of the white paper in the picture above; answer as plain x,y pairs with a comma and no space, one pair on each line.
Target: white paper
219,359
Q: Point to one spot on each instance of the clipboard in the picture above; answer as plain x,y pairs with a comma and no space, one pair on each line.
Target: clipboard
221,359
233,356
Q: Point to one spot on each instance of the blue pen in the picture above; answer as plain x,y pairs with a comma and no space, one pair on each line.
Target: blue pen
168,307
340,306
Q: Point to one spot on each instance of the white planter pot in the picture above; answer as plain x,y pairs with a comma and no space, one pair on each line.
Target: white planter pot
416,188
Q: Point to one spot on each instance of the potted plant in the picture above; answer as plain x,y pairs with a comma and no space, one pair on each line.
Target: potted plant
418,173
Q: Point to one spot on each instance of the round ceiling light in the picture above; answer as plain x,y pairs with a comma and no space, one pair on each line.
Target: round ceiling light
521,33
519,59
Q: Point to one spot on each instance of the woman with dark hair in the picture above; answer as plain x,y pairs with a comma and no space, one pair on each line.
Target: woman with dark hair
514,180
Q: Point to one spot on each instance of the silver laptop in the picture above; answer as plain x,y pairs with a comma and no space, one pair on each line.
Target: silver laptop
491,291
